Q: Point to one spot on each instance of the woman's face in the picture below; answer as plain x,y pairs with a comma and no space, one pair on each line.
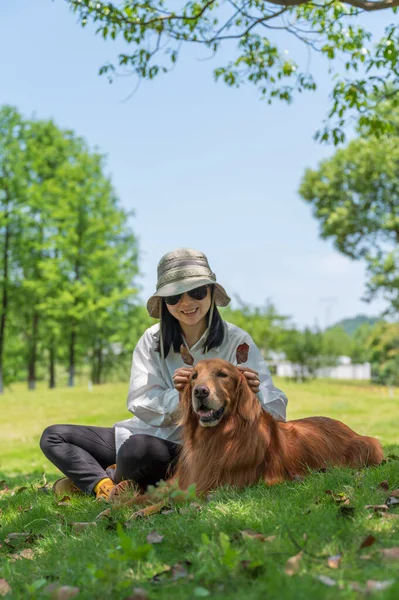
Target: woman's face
189,311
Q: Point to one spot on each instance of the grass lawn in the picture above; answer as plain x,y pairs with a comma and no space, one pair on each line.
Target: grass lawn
203,552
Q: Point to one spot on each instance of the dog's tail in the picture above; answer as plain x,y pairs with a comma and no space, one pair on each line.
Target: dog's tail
364,451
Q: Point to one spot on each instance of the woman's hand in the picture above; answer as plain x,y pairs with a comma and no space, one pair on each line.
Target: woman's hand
252,378
181,377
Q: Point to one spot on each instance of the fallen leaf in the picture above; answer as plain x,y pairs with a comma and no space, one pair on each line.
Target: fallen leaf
65,501
179,570
83,525
61,592
186,356
394,494
326,580
374,586
254,535
368,541
384,485
390,553
4,587
334,562
154,537
242,353
25,553
105,514
292,564
392,501
389,515
377,507
148,511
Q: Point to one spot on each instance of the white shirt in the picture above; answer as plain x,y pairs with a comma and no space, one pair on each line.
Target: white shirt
154,401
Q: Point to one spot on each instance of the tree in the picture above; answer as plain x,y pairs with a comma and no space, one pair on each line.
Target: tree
255,33
304,349
13,178
355,197
263,324
383,344
68,257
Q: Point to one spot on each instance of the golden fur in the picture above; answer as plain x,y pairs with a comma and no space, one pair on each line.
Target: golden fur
248,445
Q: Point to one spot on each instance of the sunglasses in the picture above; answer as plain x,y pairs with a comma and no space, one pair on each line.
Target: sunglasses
198,293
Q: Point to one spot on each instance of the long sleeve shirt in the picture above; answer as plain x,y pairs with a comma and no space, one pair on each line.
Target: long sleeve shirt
154,401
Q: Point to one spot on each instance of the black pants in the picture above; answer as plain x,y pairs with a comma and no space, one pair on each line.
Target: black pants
83,453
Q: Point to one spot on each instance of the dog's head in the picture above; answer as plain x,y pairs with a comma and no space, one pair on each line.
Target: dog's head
217,389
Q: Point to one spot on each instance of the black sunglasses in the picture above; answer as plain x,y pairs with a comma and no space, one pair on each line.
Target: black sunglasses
198,293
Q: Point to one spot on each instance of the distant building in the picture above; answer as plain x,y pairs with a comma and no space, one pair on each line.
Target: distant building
343,370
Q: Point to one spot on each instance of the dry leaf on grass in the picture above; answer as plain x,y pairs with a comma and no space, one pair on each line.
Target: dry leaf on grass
392,501
154,537
368,541
25,553
178,571
148,511
5,587
390,515
394,494
65,501
390,553
105,514
371,586
292,564
254,535
384,485
377,507
61,592
326,580
334,562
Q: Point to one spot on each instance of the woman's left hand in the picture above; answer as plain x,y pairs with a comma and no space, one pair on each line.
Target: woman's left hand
252,378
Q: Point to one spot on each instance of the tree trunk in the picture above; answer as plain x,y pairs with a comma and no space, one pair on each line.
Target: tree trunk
99,362
51,382
33,352
71,369
4,301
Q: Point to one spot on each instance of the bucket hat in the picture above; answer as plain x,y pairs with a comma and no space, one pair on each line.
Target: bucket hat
180,271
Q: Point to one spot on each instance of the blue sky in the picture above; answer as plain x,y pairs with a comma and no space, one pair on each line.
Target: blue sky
202,165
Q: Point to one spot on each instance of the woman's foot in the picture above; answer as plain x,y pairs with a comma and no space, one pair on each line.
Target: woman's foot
103,489
65,487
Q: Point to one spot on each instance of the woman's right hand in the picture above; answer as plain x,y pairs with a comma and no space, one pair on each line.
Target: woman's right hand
181,377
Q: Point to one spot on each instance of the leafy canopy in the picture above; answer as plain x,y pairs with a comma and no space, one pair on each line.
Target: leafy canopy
254,32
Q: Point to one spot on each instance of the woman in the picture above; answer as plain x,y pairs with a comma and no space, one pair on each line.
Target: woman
146,447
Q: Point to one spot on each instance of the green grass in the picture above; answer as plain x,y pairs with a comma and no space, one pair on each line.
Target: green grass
107,561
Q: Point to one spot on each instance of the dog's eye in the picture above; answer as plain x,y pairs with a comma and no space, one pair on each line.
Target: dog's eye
194,376
221,374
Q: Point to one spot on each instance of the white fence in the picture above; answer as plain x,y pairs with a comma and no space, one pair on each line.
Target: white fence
343,371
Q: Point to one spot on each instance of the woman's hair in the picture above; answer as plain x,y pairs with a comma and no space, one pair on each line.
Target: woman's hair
172,335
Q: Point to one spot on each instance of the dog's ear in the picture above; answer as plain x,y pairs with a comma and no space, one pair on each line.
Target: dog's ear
248,405
185,405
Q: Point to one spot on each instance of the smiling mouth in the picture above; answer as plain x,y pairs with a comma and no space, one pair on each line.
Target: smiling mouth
209,415
189,313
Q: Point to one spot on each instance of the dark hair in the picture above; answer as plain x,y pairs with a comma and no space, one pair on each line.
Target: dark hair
172,335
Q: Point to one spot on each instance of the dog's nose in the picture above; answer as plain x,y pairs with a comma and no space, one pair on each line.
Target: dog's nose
201,392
